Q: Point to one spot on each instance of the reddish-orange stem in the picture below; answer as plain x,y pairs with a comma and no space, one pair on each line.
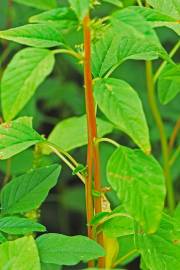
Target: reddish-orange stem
93,156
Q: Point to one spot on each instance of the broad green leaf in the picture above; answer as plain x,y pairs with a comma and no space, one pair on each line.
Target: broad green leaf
26,71
19,225
120,43
121,105
170,8
16,136
72,132
159,250
21,254
40,4
139,182
169,83
28,191
80,7
35,35
66,250
63,18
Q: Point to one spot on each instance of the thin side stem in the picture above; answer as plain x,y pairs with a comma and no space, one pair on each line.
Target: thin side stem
68,51
162,66
99,140
140,3
93,156
162,133
174,135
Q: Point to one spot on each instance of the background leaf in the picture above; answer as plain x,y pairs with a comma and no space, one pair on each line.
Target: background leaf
121,104
139,182
26,71
66,250
40,4
80,7
169,83
28,191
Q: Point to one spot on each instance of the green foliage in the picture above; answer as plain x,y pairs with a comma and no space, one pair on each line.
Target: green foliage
17,136
128,116
40,4
34,65
35,35
65,250
19,254
169,83
28,191
18,225
129,173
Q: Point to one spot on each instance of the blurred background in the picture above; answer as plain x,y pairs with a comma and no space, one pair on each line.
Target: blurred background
62,96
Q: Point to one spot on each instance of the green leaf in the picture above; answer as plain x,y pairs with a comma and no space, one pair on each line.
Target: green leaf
28,191
46,266
121,104
159,251
40,4
35,35
66,250
169,83
16,136
120,43
72,132
21,254
26,71
170,8
17,225
139,182
63,18
80,7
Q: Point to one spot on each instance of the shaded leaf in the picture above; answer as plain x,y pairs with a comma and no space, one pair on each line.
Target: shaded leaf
139,182
17,225
40,4
62,17
26,71
72,132
35,35
21,254
121,105
169,83
66,250
16,136
28,191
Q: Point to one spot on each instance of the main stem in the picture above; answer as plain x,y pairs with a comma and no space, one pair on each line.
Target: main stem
162,133
93,155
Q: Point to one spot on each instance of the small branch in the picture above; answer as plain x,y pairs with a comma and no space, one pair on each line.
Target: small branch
162,133
99,140
8,172
68,51
162,66
64,156
140,3
174,135
174,156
